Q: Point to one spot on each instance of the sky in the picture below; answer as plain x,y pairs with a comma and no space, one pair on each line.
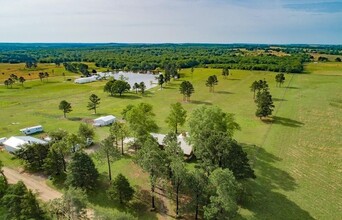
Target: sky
172,21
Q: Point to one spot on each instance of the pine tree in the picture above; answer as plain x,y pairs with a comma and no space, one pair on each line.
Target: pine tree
93,103
121,189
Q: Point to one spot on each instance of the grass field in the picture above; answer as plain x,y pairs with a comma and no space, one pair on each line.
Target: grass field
297,158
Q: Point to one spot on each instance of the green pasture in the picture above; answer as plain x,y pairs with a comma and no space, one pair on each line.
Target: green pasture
297,155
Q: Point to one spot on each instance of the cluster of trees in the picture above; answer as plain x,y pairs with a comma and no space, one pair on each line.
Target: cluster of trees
151,57
14,78
43,75
263,98
93,104
114,86
18,201
213,188
139,87
77,68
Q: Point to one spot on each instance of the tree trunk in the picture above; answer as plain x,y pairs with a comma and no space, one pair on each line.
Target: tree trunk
196,213
177,199
109,168
122,150
63,161
95,109
254,94
64,114
176,128
152,190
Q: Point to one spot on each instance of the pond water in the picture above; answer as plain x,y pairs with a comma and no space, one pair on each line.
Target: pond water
148,78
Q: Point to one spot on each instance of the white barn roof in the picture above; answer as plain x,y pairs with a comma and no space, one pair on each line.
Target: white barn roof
16,142
105,118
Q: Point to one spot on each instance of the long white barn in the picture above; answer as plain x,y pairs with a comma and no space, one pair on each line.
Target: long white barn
17,142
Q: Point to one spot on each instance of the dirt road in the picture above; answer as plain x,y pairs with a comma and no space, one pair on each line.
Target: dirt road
34,182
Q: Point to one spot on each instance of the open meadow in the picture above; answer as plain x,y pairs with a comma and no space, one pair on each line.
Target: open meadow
297,156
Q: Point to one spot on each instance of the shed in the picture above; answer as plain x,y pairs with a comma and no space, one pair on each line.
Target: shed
104,120
86,79
15,143
32,130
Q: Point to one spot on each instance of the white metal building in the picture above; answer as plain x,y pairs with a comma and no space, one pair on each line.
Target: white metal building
86,80
15,143
104,120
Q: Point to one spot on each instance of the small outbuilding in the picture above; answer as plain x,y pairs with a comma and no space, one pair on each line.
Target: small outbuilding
104,120
17,142
86,79
32,130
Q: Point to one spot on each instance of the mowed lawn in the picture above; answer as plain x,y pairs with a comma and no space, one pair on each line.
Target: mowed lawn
297,157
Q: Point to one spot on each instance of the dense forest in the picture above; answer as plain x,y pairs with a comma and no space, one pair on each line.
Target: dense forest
147,57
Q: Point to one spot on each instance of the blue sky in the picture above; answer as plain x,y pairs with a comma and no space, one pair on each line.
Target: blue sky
175,21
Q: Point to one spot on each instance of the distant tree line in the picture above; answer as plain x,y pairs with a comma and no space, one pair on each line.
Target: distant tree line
153,57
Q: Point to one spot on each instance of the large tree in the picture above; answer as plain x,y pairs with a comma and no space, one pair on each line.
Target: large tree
264,103
152,160
22,80
119,87
94,102
176,117
217,149
186,89
225,72
211,82
82,172
121,190
108,152
65,107
141,121
161,80
211,118
280,79
223,203
33,155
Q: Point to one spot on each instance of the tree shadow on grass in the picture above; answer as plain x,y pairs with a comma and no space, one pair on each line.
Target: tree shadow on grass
292,87
233,79
266,202
286,122
74,118
224,92
128,96
197,102
279,100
